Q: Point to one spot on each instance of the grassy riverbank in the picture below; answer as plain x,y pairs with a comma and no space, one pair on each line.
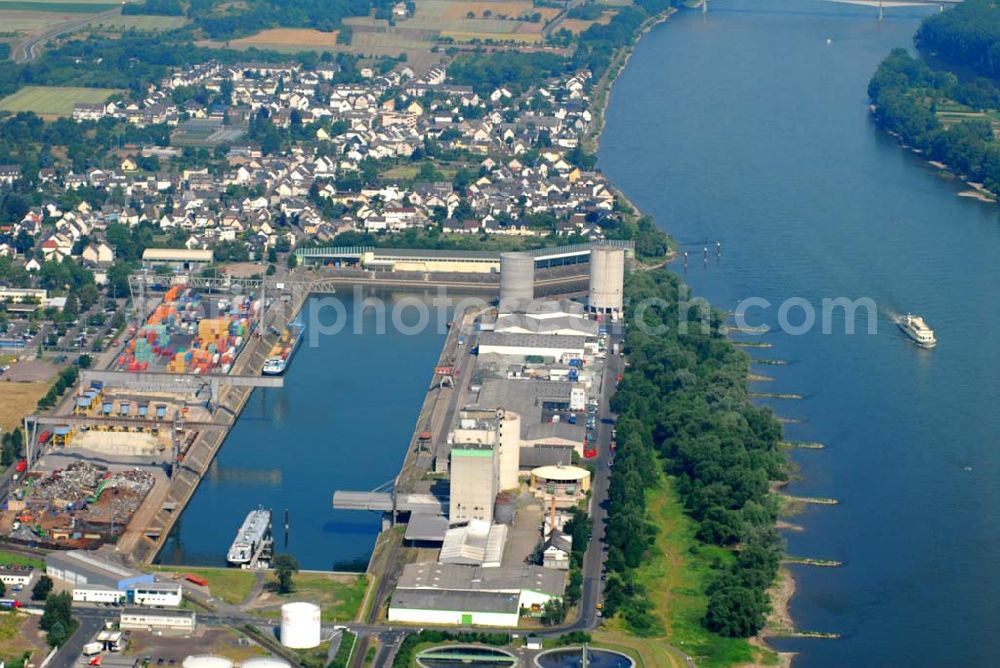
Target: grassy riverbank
693,548
676,573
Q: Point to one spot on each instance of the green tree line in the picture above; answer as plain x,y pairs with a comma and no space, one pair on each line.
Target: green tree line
684,404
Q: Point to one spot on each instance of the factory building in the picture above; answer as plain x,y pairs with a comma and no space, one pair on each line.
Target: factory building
552,346
80,568
452,261
474,483
517,278
499,428
176,259
535,456
534,586
477,543
454,607
154,619
607,280
431,261
560,325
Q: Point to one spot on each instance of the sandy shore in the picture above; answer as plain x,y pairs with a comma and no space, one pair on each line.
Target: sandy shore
779,620
975,194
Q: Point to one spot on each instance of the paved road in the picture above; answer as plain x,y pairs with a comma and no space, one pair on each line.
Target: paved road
593,562
30,48
68,654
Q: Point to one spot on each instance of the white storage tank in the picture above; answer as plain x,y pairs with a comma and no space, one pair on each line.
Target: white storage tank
300,625
206,661
607,279
265,662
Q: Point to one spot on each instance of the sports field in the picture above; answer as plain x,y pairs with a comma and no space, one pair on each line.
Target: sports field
53,100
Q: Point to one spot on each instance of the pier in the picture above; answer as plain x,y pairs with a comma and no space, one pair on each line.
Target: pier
390,502
149,528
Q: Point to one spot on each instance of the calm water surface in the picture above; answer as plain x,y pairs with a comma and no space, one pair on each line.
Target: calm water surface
343,420
749,128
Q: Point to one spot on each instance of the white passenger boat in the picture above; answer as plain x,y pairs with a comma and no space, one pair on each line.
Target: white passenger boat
915,328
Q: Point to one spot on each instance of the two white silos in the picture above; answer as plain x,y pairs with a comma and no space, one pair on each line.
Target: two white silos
212,661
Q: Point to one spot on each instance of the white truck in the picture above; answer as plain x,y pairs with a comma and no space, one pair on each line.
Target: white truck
92,648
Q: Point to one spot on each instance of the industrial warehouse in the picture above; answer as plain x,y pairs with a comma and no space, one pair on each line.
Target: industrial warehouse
516,455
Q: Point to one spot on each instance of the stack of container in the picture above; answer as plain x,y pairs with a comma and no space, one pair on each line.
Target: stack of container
216,340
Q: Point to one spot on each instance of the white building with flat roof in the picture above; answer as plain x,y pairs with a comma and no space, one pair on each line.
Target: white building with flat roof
454,607
178,259
97,594
156,619
157,595
555,346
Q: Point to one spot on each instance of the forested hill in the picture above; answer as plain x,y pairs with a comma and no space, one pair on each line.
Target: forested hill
966,36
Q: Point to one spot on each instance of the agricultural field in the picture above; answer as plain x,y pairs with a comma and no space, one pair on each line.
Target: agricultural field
577,26
459,20
57,6
139,22
29,16
20,21
499,10
949,112
300,39
53,100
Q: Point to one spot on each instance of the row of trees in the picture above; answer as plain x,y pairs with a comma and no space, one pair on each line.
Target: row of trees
515,70
906,93
598,43
684,403
57,619
66,379
13,443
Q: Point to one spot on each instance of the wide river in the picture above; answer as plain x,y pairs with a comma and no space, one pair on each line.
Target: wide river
343,420
750,127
